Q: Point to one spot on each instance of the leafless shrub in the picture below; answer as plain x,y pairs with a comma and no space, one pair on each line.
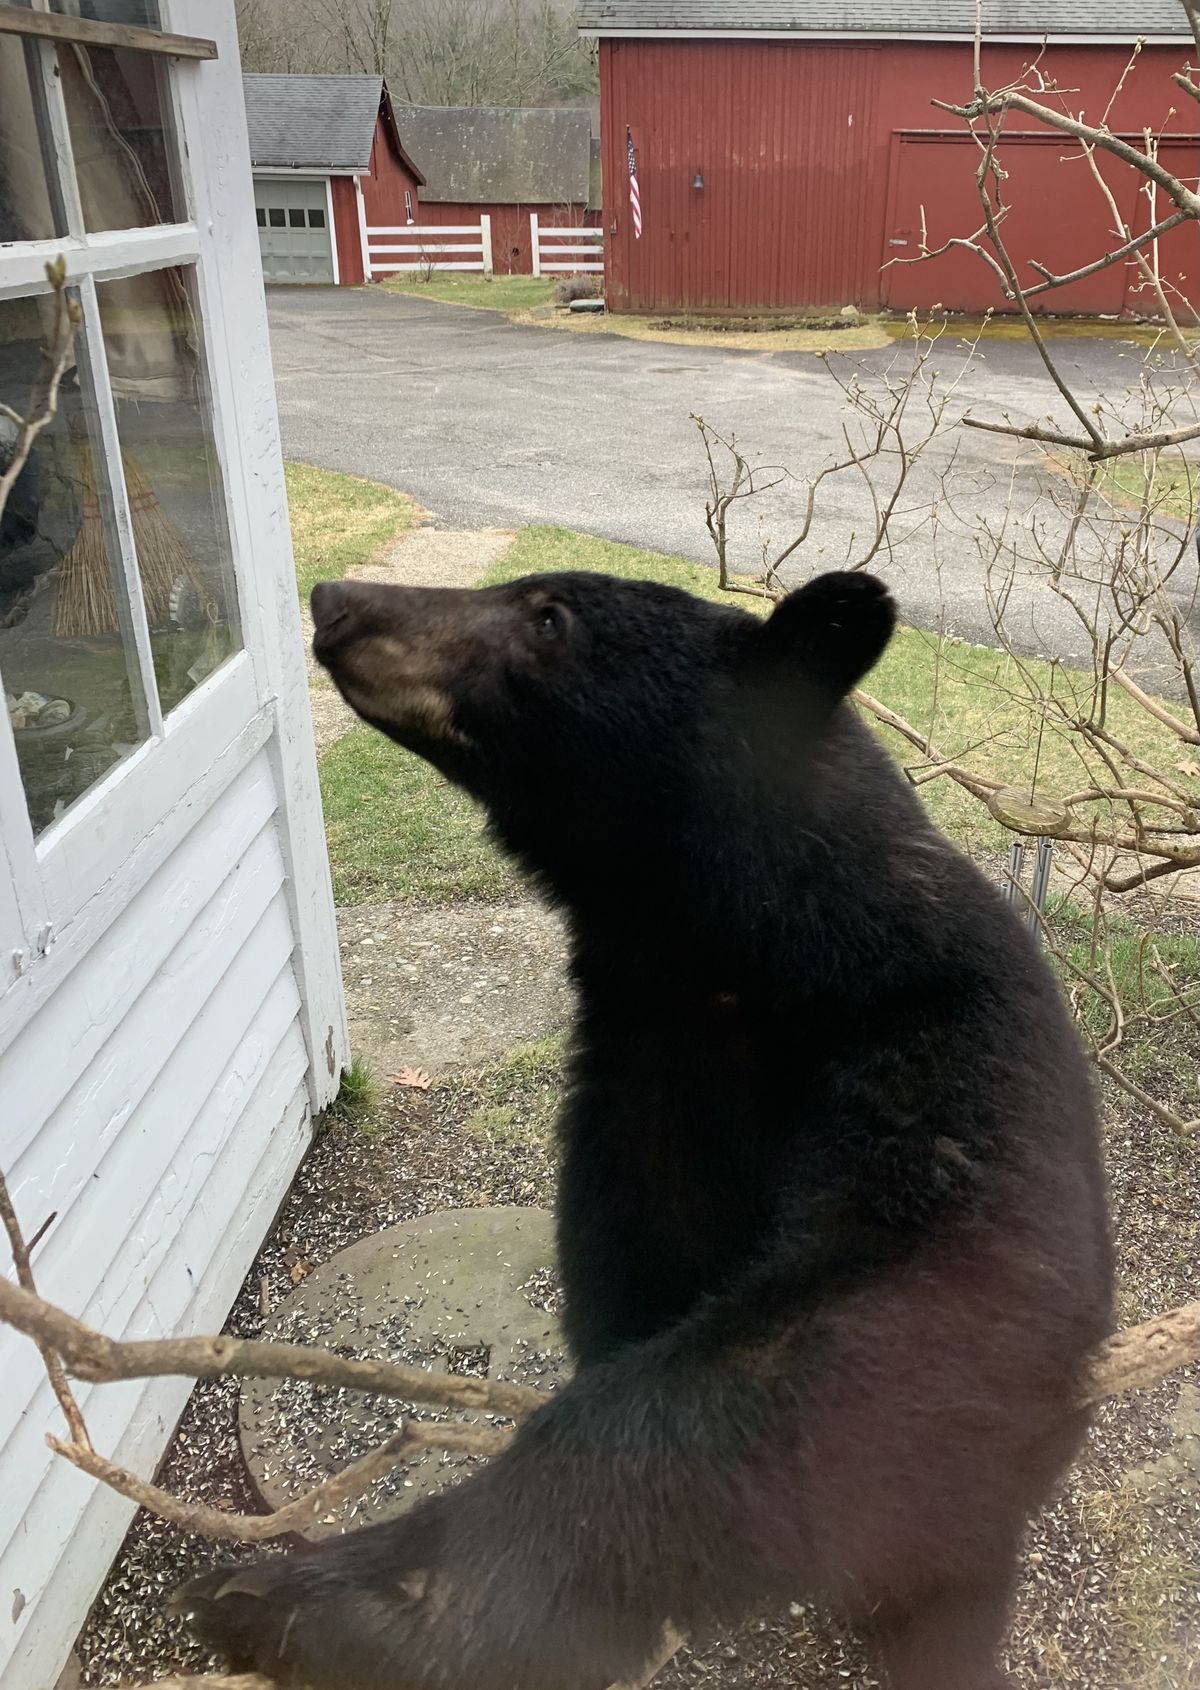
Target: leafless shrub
1099,756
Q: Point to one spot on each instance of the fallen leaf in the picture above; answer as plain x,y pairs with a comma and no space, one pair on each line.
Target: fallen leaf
300,1270
416,1078
1191,767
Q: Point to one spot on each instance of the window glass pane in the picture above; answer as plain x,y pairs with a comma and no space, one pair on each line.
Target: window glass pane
70,677
296,218
25,212
276,216
316,219
117,111
156,366
260,216
144,13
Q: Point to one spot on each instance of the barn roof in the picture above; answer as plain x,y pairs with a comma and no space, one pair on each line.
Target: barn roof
317,122
501,155
881,18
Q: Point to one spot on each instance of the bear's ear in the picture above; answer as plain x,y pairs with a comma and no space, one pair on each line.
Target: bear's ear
830,632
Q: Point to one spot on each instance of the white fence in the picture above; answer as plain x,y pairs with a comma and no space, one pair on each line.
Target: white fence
570,251
416,248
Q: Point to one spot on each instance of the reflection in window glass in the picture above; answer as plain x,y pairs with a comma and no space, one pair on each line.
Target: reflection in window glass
156,367
276,216
71,686
25,211
143,13
120,136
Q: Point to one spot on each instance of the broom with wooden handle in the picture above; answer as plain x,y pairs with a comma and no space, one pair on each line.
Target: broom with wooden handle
85,604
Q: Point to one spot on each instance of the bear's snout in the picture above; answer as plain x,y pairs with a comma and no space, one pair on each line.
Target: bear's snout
329,602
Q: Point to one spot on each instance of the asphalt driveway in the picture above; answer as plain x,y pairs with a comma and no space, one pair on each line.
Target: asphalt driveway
490,423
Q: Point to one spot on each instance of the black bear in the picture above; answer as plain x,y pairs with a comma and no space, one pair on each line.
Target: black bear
832,1220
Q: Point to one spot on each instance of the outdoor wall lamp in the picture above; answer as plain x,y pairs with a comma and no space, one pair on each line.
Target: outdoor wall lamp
698,180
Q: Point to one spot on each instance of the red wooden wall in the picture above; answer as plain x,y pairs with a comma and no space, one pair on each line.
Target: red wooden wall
384,204
511,255
817,156
345,230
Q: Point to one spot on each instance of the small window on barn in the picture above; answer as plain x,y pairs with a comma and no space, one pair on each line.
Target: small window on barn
316,219
277,217
408,211
260,217
296,217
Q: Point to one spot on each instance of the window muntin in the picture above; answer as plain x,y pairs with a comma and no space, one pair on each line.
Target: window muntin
155,359
73,690
122,514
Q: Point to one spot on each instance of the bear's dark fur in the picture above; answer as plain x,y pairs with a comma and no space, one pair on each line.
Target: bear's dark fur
832,1221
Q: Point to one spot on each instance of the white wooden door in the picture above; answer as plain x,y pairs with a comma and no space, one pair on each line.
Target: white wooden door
170,1000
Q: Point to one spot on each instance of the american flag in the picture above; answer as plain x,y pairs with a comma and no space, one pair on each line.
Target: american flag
635,197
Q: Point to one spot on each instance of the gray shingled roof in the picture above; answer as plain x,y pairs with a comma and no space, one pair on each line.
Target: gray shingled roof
1123,18
326,122
500,155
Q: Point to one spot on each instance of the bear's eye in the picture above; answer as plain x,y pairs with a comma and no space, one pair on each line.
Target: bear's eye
548,622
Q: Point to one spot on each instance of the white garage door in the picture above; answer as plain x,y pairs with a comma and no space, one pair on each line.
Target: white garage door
293,228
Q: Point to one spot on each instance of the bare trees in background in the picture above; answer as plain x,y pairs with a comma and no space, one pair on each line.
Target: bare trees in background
433,52
1085,550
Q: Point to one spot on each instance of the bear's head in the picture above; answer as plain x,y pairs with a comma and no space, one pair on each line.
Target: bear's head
583,706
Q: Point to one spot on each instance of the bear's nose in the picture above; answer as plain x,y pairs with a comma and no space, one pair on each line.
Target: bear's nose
329,602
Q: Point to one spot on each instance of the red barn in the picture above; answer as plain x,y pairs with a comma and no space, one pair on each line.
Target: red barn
786,150
505,162
328,164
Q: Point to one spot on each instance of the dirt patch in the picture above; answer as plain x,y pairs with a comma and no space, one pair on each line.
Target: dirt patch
763,336
453,987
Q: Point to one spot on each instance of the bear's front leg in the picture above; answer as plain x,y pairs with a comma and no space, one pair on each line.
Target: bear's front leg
545,1571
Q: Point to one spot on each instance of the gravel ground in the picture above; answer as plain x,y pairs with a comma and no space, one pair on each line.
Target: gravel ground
1110,1595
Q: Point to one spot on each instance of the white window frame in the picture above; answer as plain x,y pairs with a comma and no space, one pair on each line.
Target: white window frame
52,879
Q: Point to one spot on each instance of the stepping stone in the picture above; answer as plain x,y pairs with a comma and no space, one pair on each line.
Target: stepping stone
469,1291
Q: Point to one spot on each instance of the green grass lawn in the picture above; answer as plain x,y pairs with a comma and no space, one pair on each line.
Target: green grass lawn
339,521
397,830
493,293
967,698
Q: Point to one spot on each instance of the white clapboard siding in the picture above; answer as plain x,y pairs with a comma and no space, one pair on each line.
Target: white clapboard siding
81,1016
156,1118
394,249
574,251
171,1013
142,1415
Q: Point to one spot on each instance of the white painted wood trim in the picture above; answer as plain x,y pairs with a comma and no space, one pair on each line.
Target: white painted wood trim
574,230
149,1413
337,272
485,226
429,247
107,256
474,266
43,974
109,471
55,109
416,230
363,237
533,243
246,409
81,854
302,170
